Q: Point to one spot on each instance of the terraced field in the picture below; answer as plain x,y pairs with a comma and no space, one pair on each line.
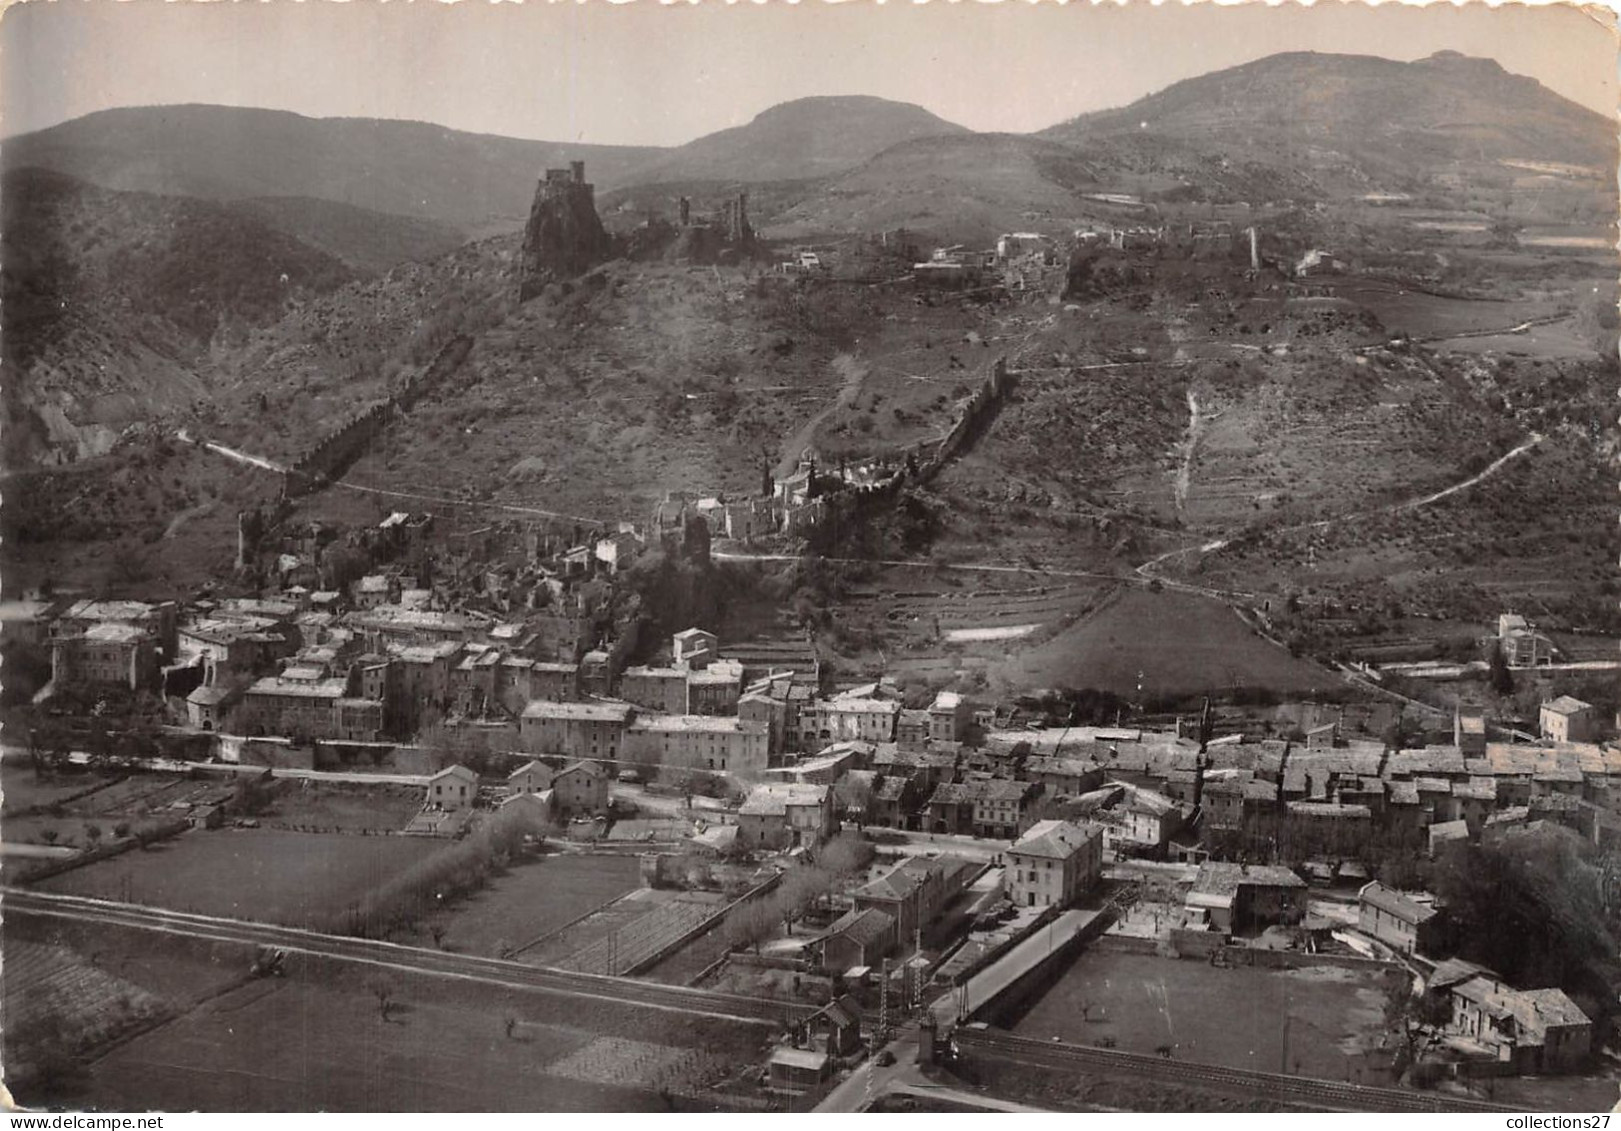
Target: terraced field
55,1000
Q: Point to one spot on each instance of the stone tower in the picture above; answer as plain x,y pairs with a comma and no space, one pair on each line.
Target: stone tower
564,237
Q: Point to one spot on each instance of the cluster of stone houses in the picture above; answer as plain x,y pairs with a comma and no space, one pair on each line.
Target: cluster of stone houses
1488,1022
1514,1031
111,643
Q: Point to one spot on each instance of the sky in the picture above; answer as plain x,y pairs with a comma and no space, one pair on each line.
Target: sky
646,73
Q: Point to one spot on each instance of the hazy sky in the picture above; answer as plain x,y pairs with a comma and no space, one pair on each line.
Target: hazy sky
643,73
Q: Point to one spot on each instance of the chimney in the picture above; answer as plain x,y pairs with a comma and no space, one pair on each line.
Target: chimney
579,171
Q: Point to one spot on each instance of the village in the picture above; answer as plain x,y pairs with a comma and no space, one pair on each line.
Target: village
811,840
858,614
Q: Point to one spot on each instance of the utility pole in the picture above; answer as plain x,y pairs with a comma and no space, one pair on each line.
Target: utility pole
883,1005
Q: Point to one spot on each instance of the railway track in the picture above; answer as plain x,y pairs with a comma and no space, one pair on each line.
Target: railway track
418,960
1320,1095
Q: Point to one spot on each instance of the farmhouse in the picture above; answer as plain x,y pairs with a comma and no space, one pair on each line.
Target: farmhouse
1523,646
537,805
452,788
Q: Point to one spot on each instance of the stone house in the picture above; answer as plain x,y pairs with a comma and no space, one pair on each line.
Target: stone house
1409,925
1568,719
531,777
1054,863
580,789
452,788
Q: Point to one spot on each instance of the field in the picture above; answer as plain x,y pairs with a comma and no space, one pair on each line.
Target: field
1323,1021
54,995
69,986
295,1045
1179,644
300,879
21,788
531,900
342,807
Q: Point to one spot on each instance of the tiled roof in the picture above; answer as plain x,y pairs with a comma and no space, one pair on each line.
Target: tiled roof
1393,902
1057,840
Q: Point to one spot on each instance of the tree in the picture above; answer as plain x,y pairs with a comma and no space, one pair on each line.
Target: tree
1410,1016
383,991
49,836
93,834
752,924
1531,906
1500,678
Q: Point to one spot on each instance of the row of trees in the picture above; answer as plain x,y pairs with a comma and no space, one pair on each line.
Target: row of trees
820,875
457,870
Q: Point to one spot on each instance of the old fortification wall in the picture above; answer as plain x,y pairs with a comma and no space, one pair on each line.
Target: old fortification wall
336,452
855,504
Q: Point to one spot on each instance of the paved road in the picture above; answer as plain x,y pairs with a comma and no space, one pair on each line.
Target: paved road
869,1082
890,841
414,960
1318,1095
174,766
1025,570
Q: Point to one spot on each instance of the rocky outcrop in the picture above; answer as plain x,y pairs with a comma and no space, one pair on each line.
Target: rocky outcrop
564,237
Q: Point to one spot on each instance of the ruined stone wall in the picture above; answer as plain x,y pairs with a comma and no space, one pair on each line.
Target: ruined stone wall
335,453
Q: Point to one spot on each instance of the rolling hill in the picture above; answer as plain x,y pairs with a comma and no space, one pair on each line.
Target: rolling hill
808,137
471,182
1357,122
970,186
114,300
465,184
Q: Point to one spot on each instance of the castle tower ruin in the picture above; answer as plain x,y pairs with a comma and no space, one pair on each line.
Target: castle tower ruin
564,237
